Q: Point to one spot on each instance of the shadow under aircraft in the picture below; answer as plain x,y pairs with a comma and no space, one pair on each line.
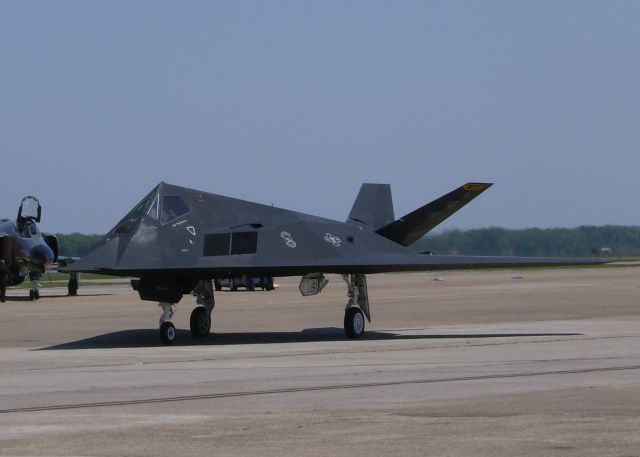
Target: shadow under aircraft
177,240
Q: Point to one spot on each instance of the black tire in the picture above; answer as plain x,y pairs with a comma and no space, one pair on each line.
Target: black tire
217,284
36,294
200,322
167,333
32,295
354,322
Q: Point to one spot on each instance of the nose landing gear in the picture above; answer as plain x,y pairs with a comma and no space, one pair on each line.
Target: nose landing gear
167,329
34,277
167,333
200,321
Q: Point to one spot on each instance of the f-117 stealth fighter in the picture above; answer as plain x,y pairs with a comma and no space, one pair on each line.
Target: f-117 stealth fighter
178,240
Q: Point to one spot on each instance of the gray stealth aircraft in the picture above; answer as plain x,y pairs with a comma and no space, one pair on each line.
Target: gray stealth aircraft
177,240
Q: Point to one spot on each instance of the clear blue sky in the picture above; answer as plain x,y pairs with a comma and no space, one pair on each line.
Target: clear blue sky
296,103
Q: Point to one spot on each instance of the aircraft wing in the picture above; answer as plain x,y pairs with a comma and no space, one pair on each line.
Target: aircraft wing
422,262
366,264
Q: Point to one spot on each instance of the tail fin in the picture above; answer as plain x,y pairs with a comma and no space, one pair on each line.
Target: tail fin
411,227
373,206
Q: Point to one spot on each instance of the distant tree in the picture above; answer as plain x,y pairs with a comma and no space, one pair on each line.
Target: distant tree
566,242
76,244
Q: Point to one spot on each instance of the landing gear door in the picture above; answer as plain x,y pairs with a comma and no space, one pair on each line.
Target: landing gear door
30,209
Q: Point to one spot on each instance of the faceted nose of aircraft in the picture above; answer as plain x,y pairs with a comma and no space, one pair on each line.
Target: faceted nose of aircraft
41,254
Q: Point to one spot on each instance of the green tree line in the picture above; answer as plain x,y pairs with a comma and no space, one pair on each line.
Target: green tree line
76,244
562,242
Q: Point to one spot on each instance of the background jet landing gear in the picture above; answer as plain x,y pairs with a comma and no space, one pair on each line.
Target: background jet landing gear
200,321
358,306
72,287
34,277
167,329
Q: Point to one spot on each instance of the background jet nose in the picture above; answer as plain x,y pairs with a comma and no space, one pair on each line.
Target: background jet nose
41,254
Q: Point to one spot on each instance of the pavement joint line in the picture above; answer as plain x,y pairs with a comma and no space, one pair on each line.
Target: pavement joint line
144,368
311,389
338,352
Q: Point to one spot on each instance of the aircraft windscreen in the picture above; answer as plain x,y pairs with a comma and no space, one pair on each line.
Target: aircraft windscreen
153,209
127,224
173,206
28,230
33,229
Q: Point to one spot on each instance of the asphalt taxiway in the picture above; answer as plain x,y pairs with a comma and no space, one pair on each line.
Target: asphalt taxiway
527,362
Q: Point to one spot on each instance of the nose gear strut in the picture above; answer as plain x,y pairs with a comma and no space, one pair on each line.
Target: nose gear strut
34,293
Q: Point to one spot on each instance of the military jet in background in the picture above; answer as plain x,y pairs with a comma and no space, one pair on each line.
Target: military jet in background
178,240
26,251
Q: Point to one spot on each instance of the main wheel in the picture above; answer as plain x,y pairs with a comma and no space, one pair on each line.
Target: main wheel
354,322
32,295
200,322
36,294
167,333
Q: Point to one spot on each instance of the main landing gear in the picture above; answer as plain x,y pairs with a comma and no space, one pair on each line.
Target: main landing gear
357,307
200,321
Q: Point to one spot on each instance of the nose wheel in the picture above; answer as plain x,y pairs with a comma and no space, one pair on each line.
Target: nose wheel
167,333
167,329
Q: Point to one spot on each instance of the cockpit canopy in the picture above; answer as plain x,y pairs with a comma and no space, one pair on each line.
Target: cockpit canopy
28,229
30,209
156,206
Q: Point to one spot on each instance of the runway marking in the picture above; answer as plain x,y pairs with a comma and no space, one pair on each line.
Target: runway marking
310,389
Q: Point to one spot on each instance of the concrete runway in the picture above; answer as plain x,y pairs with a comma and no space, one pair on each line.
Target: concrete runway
499,363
